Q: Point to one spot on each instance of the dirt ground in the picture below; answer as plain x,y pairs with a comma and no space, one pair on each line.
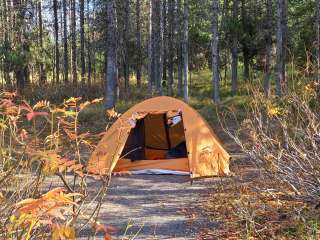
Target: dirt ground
160,206
156,207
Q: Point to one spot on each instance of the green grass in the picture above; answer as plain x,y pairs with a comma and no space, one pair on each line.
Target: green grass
200,92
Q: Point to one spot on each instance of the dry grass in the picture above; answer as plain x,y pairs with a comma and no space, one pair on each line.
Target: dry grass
250,206
275,191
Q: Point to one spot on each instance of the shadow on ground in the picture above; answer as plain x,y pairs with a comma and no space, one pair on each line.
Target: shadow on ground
155,207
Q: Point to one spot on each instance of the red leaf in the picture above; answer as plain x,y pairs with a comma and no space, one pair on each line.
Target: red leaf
32,114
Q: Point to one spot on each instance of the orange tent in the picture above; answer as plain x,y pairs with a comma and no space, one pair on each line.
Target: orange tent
160,135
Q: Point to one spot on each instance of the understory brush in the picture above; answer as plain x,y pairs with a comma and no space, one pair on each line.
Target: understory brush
38,142
275,193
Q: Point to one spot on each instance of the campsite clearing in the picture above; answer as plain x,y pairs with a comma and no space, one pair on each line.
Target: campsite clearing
153,207
157,207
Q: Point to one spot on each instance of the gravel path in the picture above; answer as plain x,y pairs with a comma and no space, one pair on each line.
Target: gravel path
156,207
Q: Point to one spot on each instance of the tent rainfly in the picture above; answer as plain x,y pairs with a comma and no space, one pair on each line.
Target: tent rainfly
161,135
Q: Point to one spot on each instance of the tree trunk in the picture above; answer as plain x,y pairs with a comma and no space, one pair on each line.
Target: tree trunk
20,74
126,47
6,43
268,58
284,40
65,42
165,39
42,71
156,44
82,40
150,51
161,50
234,50
245,44
171,13
111,69
88,44
56,38
280,78
246,64
185,51
179,23
215,51
19,26
93,47
138,39
318,40
74,43
224,23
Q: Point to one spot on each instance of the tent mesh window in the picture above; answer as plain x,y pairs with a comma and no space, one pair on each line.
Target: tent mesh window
156,136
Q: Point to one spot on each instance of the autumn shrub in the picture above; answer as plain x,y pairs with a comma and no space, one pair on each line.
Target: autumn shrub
38,142
282,137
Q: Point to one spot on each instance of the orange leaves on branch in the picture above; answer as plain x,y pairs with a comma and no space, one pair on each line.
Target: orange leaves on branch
42,104
72,101
70,166
50,207
105,229
84,105
8,107
7,94
49,159
97,100
53,205
63,232
111,113
53,163
5,103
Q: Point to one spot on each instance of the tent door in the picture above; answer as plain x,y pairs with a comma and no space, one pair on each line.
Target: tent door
155,137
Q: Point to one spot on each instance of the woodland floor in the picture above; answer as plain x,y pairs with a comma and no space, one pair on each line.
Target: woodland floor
161,206
243,206
156,206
